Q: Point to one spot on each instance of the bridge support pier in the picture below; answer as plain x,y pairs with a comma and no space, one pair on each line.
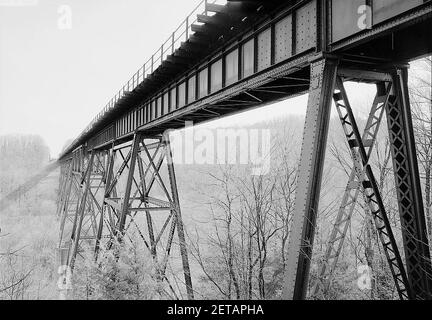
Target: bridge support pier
79,207
115,191
408,189
414,282
323,77
352,191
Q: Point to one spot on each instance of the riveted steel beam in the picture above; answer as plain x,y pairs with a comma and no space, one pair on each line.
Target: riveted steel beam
323,75
76,233
352,190
371,191
410,202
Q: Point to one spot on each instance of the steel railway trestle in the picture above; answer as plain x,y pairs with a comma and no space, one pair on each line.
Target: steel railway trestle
228,58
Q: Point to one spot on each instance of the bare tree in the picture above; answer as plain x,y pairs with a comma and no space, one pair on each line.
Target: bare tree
421,99
250,217
15,275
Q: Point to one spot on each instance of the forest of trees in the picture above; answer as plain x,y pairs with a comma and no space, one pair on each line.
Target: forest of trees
28,227
20,156
237,224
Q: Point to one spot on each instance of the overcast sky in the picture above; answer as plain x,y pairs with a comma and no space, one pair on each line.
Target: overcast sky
55,79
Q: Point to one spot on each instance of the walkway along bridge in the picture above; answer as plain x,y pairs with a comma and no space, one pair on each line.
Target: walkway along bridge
229,57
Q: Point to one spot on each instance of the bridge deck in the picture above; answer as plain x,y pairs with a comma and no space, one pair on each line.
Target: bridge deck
250,53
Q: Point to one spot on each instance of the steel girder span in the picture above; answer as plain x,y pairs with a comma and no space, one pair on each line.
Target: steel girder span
240,56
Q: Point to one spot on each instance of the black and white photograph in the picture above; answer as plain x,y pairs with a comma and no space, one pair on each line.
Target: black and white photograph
215,158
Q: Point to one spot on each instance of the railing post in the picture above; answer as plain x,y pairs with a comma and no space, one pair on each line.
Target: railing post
172,42
161,53
187,28
152,63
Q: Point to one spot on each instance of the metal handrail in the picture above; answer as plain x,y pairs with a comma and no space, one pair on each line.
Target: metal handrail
183,32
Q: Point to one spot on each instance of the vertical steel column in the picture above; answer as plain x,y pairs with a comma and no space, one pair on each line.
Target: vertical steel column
178,218
108,175
80,213
322,82
70,207
145,193
64,168
77,172
62,210
64,204
371,191
352,191
125,206
408,188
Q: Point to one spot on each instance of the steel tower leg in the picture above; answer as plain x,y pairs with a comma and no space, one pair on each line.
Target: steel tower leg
107,178
64,170
81,208
416,282
62,205
408,188
323,76
148,191
126,201
352,191
69,208
371,191
63,209
177,212
79,218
